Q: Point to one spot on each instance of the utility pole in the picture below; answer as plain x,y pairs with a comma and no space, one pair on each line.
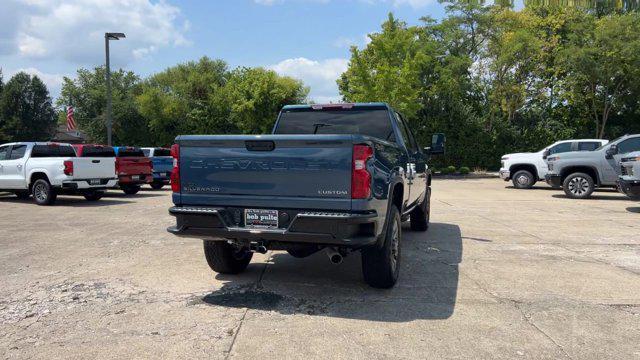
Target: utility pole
107,37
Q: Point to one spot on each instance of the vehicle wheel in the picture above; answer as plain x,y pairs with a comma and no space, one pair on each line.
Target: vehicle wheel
131,189
43,193
157,185
22,195
420,215
302,251
381,265
94,196
578,185
523,179
223,258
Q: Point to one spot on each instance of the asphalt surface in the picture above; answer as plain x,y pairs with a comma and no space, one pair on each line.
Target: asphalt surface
501,274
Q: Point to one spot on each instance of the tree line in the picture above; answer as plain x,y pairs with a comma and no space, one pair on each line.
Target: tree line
493,79
497,81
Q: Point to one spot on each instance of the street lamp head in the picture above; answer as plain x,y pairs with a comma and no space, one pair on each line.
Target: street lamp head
114,36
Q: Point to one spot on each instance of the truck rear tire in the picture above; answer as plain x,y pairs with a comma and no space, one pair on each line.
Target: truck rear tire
226,259
43,193
523,179
131,189
420,215
578,185
381,265
94,196
157,185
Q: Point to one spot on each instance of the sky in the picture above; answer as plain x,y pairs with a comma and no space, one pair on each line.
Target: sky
305,39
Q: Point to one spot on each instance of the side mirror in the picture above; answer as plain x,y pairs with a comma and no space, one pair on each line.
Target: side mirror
437,145
546,154
612,150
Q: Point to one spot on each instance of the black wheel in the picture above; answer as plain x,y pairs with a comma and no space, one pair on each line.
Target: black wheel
22,195
94,196
578,185
302,251
43,193
381,265
131,189
156,185
523,179
420,215
224,258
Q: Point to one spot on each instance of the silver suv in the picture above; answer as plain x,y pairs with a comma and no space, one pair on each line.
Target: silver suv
579,173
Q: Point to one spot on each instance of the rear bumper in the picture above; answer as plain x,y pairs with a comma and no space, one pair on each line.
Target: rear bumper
505,175
128,179
630,188
84,185
161,177
325,228
553,180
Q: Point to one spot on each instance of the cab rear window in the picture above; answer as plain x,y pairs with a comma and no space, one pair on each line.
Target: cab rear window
130,153
98,151
44,151
161,152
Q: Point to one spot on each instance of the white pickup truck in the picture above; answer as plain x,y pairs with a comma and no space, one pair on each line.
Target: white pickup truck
45,170
525,169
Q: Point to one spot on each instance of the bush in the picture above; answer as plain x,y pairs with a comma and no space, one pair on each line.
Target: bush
449,170
464,170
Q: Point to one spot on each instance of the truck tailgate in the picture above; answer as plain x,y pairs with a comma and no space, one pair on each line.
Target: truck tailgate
255,170
134,166
162,164
93,168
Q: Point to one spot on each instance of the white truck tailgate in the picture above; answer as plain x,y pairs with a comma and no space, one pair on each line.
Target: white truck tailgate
94,168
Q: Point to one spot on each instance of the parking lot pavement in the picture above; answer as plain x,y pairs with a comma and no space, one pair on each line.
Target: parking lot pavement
501,273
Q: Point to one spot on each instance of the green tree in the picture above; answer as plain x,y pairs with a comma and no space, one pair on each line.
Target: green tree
255,96
183,99
26,113
603,67
87,94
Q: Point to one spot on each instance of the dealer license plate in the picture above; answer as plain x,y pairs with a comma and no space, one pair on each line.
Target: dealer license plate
135,177
94,182
260,218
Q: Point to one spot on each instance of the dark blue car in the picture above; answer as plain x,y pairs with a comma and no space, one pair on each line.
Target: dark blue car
338,178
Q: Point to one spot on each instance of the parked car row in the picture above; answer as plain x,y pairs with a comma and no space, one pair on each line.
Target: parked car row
579,166
44,169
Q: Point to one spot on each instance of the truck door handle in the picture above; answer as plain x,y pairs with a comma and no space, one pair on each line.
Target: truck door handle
19,166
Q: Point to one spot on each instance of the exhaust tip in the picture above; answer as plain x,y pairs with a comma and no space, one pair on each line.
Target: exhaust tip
336,259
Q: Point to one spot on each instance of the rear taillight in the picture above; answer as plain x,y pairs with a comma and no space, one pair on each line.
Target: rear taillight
68,168
360,177
175,173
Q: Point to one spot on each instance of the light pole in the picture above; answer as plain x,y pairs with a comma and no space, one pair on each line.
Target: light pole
107,37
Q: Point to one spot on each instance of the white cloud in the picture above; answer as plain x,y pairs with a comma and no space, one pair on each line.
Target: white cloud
73,30
320,76
53,81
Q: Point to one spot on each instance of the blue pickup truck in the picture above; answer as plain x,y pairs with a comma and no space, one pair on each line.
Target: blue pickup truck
162,164
338,178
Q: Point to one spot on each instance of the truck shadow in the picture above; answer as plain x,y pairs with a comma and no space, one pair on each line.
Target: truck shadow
427,288
62,200
616,196
634,209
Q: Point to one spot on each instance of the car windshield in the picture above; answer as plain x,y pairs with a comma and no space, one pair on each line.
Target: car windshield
372,122
610,142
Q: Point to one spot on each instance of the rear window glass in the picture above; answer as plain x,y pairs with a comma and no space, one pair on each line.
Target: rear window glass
371,122
98,151
588,145
161,152
44,151
146,152
133,152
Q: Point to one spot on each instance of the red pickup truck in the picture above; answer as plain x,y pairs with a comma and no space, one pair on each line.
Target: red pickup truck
133,169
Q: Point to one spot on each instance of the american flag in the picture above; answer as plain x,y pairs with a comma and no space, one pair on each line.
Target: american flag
71,123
